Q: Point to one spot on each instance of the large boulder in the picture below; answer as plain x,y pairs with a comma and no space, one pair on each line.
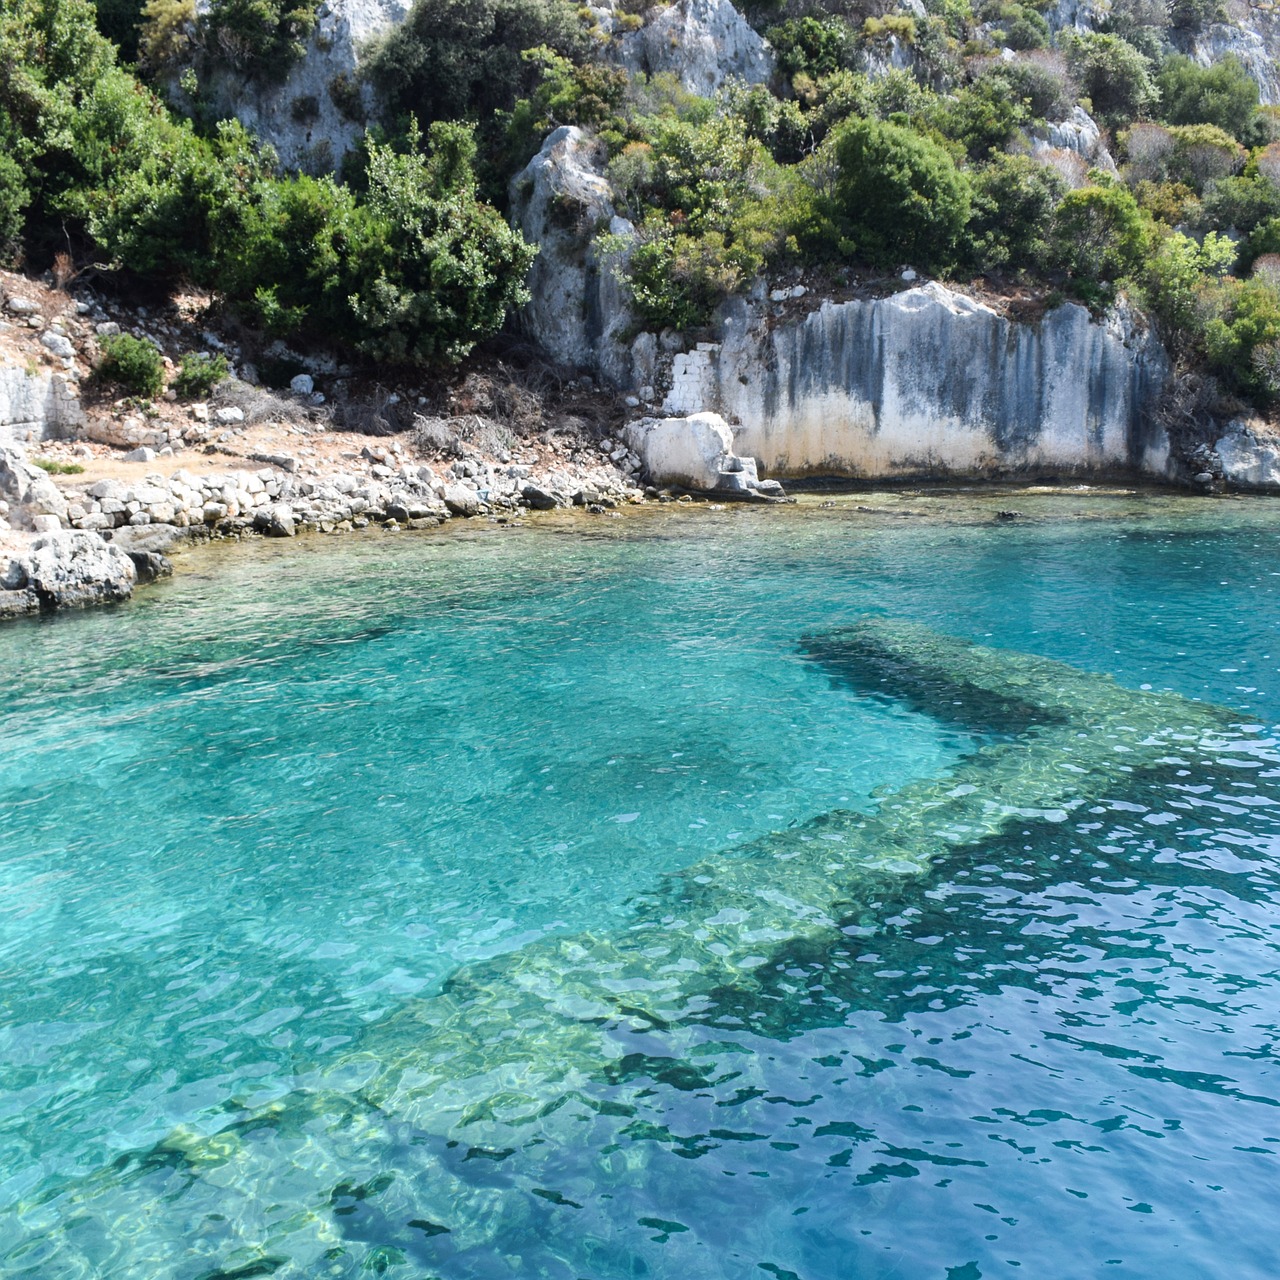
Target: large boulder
561,201
703,43
72,570
695,452
28,491
1250,456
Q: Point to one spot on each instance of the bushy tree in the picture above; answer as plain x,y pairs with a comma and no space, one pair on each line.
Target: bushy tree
813,46
899,196
1013,203
1100,234
982,117
444,268
14,198
1224,94
1245,331
713,210
261,38
454,59
1114,76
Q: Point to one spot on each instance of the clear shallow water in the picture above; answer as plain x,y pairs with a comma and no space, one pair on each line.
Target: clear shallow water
252,820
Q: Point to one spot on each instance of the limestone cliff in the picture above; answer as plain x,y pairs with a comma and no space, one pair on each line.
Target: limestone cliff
929,382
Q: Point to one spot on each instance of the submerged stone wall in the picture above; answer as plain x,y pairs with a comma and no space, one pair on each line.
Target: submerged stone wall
929,382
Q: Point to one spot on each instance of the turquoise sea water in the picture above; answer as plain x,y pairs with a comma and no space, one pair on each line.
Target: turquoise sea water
253,823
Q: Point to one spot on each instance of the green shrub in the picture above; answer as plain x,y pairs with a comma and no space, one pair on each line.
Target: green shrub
262,38
1038,82
1203,153
198,374
812,46
1100,235
1027,31
1223,94
455,59
133,364
1179,285
442,269
1240,203
1014,198
898,196
1113,75
1239,338
1191,16
982,117
14,198
55,468
120,21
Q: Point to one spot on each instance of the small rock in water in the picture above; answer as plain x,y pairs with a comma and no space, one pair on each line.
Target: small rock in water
1005,516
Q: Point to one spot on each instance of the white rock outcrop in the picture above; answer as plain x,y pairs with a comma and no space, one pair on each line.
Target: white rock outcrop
561,199
703,43
1079,134
68,570
73,570
695,452
1250,457
36,404
28,491
1255,43
308,117
930,382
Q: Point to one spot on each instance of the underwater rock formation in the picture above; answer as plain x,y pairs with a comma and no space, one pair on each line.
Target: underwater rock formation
493,1057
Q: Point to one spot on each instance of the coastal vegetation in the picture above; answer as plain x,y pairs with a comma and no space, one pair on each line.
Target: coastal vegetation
885,140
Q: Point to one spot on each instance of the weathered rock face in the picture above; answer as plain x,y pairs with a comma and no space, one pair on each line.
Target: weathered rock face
36,404
29,493
578,310
696,452
1249,457
65,571
1079,134
316,115
1255,42
931,383
702,43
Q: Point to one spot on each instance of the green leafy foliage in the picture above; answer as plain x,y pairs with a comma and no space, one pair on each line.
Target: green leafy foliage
1100,235
443,268
713,209
261,38
133,364
462,58
1224,95
1013,204
1114,76
198,374
1241,337
14,198
813,46
899,196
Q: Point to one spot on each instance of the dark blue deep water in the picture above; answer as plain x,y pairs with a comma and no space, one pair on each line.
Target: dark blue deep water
255,824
